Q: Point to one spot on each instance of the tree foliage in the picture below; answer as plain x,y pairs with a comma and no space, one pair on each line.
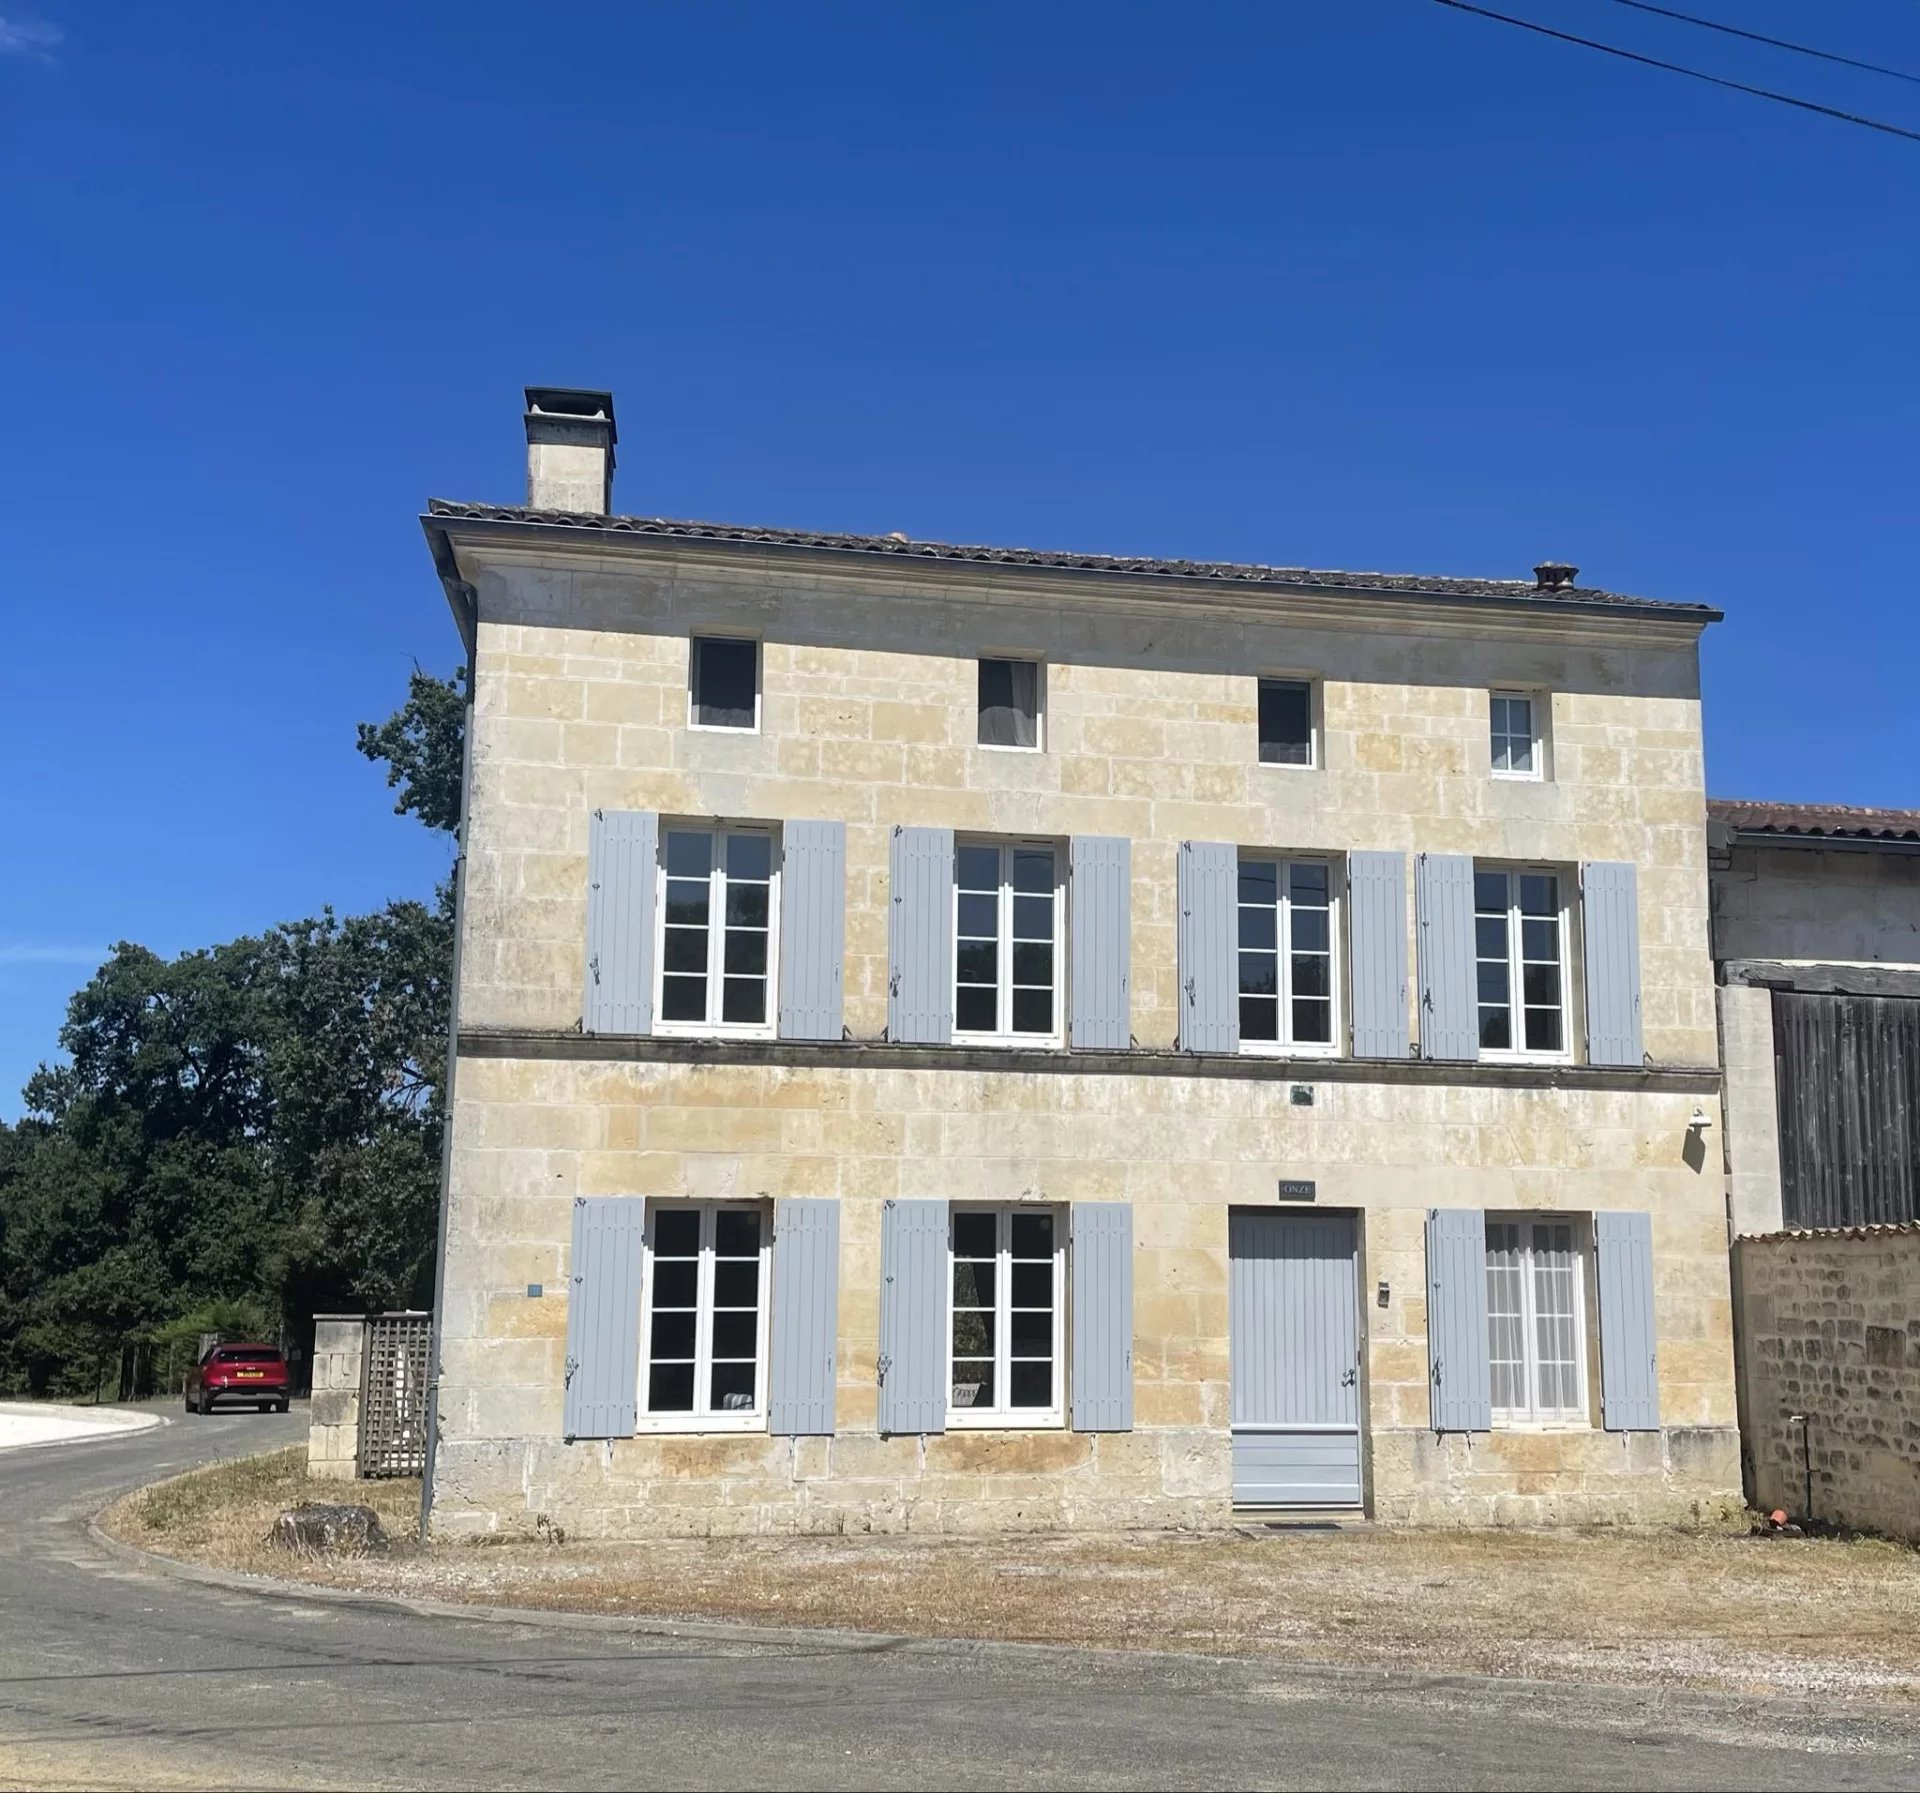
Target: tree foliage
421,744
248,1130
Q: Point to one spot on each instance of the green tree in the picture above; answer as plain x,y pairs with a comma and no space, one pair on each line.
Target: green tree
250,1129
421,744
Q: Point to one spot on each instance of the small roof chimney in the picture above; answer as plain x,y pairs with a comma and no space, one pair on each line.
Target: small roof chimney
570,438
1554,575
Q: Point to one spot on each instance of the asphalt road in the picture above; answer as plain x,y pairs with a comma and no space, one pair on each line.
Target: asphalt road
113,1675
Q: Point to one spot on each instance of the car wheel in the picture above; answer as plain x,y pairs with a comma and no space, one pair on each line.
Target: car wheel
281,1406
192,1405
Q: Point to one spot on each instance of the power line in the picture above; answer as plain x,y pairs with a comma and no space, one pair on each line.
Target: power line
1675,68
1778,43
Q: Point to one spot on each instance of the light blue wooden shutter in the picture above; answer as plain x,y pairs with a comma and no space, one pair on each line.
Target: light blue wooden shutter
1209,984
1629,1367
1610,907
1100,932
913,1317
806,1318
1377,932
623,847
920,938
1102,1360
603,1317
813,928
1457,1365
1449,994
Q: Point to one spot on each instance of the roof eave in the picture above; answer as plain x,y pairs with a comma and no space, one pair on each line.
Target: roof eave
461,598
1695,617
1824,843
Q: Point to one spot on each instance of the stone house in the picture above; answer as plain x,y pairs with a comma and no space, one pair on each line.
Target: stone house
958,1038
1816,945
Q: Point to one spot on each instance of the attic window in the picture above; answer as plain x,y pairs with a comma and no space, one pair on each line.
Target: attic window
1286,722
1010,704
725,683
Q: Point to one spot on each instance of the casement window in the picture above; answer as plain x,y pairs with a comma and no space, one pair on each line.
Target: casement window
724,683
703,1322
1536,1320
1520,949
1285,955
1289,735
1008,908
718,896
1005,1316
1519,748
1012,704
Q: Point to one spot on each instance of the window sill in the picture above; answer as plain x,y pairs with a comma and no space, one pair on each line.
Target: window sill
722,728
690,1425
1029,1419
1003,747
1267,1049
1289,765
1492,1056
1518,777
1536,1426
704,1030
1014,1042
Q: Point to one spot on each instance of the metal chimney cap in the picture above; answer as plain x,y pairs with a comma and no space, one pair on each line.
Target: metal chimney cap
577,403
1554,575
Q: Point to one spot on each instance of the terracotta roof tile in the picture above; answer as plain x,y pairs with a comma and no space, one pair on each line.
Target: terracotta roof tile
1884,1229
1829,820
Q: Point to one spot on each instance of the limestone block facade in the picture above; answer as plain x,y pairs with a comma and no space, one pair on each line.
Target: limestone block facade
333,1421
868,713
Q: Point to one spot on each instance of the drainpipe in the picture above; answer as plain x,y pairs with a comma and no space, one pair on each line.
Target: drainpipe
438,1323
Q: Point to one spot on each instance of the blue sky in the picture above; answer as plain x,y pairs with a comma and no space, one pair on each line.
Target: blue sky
1348,283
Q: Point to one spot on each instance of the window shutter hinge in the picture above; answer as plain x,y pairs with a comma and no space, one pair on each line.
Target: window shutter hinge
884,1364
573,1363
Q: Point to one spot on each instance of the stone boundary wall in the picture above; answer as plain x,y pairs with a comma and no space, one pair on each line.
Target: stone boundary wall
1827,1326
333,1430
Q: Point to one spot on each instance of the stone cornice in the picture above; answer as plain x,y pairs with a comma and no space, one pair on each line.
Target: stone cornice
505,544
879,1055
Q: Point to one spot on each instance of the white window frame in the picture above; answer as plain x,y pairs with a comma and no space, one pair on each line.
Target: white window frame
717,931
1312,762
754,1420
1536,703
1039,706
1285,1047
1004,1418
693,683
1516,965
1003,1034
1534,1416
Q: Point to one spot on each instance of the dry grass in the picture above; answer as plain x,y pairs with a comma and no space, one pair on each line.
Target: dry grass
1704,1609
222,1515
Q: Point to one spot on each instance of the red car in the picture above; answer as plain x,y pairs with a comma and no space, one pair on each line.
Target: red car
255,1374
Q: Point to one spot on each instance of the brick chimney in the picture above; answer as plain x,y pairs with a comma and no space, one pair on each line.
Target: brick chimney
570,438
